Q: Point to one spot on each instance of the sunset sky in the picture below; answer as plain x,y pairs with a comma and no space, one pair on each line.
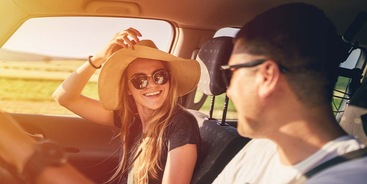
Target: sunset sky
82,36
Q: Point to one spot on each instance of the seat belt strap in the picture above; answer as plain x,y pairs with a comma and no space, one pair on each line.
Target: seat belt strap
337,160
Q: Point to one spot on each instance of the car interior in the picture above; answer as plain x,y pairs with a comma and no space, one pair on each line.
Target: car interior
38,39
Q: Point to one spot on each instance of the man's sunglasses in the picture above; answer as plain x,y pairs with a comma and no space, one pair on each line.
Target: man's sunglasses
227,70
141,80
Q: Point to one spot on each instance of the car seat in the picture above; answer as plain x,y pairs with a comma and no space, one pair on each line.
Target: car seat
220,142
354,118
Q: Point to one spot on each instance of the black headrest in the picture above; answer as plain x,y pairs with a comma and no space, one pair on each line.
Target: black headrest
214,53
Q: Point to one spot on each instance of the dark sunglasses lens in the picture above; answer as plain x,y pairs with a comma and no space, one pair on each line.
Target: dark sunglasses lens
140,81
161,77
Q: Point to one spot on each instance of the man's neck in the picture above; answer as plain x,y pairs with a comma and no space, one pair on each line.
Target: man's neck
299,139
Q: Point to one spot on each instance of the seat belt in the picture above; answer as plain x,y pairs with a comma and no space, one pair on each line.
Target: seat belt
337,160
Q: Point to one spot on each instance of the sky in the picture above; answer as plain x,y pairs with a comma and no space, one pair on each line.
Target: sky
81,37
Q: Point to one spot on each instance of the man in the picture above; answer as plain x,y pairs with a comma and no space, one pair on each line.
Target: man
284,68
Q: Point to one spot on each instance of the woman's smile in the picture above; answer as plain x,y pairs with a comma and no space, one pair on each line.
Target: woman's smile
153,94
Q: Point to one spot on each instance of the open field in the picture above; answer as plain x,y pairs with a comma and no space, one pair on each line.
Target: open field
33,107
34,96
41,70
27,86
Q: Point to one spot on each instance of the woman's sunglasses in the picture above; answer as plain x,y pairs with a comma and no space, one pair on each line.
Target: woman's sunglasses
141,80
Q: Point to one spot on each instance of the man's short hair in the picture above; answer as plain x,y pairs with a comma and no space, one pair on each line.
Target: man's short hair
301,38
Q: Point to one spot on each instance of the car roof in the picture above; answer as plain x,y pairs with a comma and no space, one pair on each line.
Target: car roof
195,14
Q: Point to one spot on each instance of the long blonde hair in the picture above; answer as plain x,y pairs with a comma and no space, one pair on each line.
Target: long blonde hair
144,158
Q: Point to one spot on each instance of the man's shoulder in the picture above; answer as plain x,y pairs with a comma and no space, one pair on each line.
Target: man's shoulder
354,171
349,171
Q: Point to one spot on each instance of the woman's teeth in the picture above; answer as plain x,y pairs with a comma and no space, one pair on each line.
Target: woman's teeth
153,93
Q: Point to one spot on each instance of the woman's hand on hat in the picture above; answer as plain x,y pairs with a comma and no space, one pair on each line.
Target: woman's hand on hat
127,38
124,39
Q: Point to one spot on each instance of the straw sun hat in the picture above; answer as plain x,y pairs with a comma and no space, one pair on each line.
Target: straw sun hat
187,71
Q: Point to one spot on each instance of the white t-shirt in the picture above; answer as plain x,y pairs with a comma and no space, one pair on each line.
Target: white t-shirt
259,162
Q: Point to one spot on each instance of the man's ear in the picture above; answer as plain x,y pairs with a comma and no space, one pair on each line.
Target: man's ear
269,74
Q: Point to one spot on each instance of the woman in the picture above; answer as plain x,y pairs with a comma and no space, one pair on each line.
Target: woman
138,88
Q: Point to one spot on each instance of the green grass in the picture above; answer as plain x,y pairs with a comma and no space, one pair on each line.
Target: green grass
218,107
35,96
35,89
27,90
341,85
27,86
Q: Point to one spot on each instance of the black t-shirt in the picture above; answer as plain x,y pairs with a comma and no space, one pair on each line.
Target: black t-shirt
182,130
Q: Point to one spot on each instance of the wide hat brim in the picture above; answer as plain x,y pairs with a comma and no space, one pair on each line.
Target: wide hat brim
186,71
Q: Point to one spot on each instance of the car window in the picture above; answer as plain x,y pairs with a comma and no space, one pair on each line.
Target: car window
341,98
44,51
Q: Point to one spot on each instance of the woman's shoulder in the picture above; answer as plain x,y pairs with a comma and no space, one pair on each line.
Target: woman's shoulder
183,115
183,129
183,119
